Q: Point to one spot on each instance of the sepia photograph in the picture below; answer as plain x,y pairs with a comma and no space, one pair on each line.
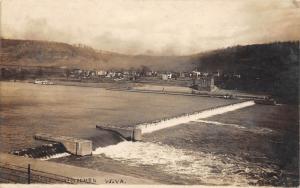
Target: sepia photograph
149,92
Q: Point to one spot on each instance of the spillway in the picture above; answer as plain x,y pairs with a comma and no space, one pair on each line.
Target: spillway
166,123
44,152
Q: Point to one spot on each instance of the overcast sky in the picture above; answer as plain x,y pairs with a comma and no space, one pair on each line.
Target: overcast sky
172,27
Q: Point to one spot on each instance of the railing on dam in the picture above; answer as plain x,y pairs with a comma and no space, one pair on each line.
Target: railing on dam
18,174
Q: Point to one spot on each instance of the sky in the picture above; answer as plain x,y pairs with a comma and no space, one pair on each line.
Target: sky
153,27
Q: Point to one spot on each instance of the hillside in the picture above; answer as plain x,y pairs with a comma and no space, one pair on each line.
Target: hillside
43,53
272,68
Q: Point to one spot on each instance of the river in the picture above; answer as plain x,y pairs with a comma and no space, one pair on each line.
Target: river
256,145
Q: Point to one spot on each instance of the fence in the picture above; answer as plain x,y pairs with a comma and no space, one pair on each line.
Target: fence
17,174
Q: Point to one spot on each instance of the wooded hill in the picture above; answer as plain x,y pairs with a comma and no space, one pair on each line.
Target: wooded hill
271,68
43,53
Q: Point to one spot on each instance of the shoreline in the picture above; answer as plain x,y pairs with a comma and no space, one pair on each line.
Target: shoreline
127,86
63,173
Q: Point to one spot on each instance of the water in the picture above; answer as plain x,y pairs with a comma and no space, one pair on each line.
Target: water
196,166
257,145
27,109
258,130
58,155
262,142
45,151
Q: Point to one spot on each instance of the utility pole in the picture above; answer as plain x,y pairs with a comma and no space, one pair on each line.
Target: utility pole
28,173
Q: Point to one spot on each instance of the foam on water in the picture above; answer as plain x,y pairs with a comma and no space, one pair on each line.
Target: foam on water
261,130
151,127
203,167
58,155
219,123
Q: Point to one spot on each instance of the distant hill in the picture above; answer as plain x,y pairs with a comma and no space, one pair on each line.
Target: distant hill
272,68
43,53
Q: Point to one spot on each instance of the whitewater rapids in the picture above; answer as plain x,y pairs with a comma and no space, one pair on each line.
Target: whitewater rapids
203,167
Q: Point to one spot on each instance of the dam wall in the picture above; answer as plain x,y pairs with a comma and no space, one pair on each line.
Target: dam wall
44,152
166,123
130,134
73,145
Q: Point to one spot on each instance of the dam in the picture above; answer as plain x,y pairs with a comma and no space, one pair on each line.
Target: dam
131,134
166,123
74,146
64,145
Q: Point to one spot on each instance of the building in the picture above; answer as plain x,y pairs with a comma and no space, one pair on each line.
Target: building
150,73
166,76
216,73
101,73
184,74
110,74
204,83
196,74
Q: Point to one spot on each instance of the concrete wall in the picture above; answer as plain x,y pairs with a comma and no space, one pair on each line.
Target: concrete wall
84,148
132,134
166,123
73,145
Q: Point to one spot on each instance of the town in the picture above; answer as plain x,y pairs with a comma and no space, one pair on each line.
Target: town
199,80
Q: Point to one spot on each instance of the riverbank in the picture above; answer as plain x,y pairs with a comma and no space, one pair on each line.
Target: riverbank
58,173
155,88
